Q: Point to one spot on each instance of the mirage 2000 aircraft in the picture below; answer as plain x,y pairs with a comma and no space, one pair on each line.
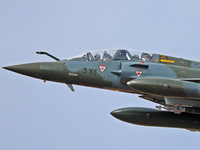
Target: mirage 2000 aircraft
173,83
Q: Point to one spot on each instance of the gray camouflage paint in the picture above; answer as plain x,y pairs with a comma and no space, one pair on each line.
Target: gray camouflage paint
164,79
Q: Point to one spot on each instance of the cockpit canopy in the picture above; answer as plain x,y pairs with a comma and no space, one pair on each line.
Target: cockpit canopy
114,55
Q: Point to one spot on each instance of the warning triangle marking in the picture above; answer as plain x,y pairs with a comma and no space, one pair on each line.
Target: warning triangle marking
138,73
102,68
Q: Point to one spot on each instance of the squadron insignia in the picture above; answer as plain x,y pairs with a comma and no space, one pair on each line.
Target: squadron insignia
102,67
138,72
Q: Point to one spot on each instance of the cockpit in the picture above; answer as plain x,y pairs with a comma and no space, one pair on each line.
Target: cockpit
114,55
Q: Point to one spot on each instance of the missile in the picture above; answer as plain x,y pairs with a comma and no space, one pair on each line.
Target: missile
166,87
158,118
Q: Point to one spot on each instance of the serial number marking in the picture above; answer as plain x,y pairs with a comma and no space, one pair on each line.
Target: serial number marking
90,71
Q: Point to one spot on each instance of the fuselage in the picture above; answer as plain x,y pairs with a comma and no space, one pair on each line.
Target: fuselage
169,81
112,72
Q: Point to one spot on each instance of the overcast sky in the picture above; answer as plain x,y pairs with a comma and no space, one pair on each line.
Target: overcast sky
36,115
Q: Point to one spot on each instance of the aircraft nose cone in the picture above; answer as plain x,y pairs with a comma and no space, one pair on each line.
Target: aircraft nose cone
31,69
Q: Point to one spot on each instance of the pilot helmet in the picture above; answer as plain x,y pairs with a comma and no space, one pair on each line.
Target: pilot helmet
97,57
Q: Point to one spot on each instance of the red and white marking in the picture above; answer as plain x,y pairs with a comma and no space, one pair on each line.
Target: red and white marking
102,67
141,63
138,72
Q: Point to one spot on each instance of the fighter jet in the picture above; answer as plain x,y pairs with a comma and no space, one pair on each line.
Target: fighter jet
173,83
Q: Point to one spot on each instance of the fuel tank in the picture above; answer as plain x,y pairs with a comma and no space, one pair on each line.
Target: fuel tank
166,87
157,118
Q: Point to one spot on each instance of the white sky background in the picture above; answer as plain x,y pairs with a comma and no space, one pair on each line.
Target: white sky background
34,115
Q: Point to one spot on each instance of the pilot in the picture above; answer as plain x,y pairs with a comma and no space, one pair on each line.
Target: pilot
136,57
97,57
106,56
